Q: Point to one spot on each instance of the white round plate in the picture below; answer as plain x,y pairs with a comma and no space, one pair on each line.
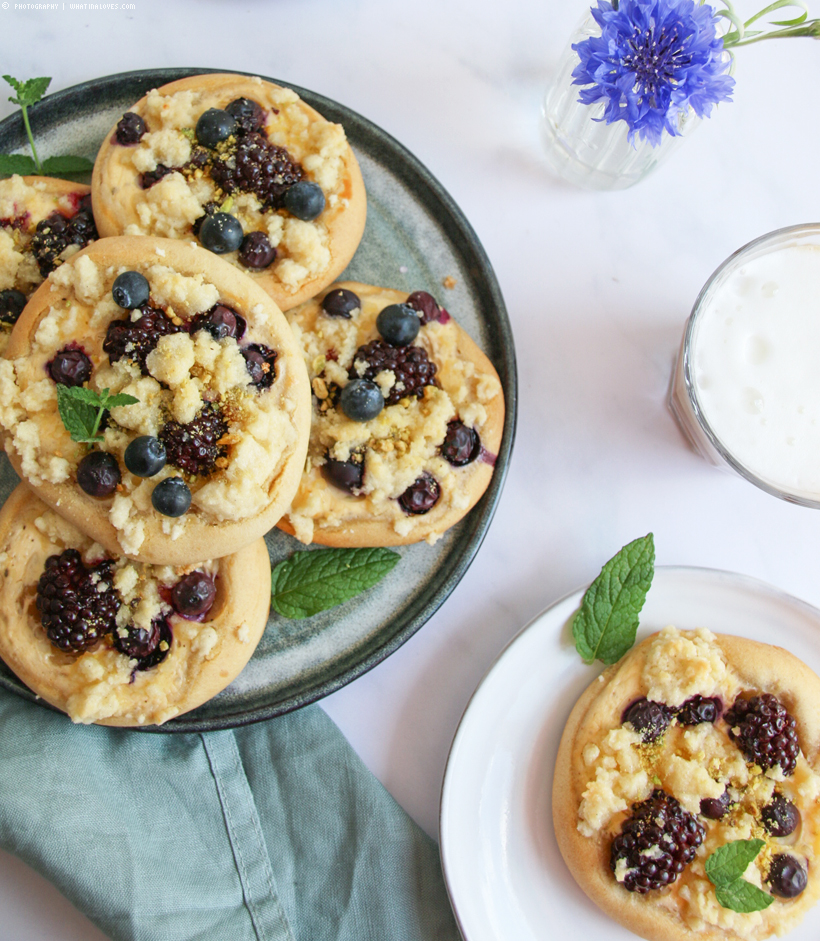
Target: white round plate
504,872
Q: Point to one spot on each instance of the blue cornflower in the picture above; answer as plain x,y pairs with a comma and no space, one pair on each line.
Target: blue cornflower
653,60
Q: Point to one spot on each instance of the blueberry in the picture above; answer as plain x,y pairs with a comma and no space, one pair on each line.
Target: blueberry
131,290
256,251
341,303
70,367
98,474
461,444
193,595
650,719
305,200
250,115
130,129
11,305
221,233
398,324
361,400
260,362
214,126
171,497
787,877
780,816
220,321
421,496
346,475
716,807
145,456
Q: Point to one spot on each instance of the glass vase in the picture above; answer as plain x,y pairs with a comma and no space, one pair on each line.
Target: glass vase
590,152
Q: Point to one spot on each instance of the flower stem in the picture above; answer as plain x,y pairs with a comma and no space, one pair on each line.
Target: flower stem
37,163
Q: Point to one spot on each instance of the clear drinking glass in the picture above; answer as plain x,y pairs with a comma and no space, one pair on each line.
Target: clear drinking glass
686,398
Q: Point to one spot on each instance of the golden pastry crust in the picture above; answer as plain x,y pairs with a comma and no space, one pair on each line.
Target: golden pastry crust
310,254
602,769
24,202
402,443
97,685
263,453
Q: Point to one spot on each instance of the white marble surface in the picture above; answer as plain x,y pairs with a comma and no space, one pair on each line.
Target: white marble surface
598,287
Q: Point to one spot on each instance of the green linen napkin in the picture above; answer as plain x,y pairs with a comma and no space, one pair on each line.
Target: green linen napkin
273,832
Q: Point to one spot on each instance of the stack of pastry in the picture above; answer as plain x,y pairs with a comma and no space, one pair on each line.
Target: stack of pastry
164,415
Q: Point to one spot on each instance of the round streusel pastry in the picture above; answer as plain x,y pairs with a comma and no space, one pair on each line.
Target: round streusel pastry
427,416
43,221
690,742
283,181
215,388
117,642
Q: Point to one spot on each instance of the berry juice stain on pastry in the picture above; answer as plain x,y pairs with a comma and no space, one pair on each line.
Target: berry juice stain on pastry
245,167
690,750
157,399
118,642
407,415
43,221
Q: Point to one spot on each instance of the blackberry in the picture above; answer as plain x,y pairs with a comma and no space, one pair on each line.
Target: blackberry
134,339
73,611
650,719
410,364
248,114
260,361
764,731
193,447
53,235
780,816
657,841
787,876
421,496
699,709
148,648
70,367
259,167
12,303
130,129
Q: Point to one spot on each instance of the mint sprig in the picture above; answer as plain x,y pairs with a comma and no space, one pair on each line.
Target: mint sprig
82,410
725,868
604,627
29,92
310,582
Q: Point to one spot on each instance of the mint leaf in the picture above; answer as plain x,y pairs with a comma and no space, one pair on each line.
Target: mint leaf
16,163
121,398
29,92
605,625
310,582
726,866
82,409
52,166
728,862
79,417
742,896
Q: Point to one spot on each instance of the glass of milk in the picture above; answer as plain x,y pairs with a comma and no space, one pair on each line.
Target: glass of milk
746,389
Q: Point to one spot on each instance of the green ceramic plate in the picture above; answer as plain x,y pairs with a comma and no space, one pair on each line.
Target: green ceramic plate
415,237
